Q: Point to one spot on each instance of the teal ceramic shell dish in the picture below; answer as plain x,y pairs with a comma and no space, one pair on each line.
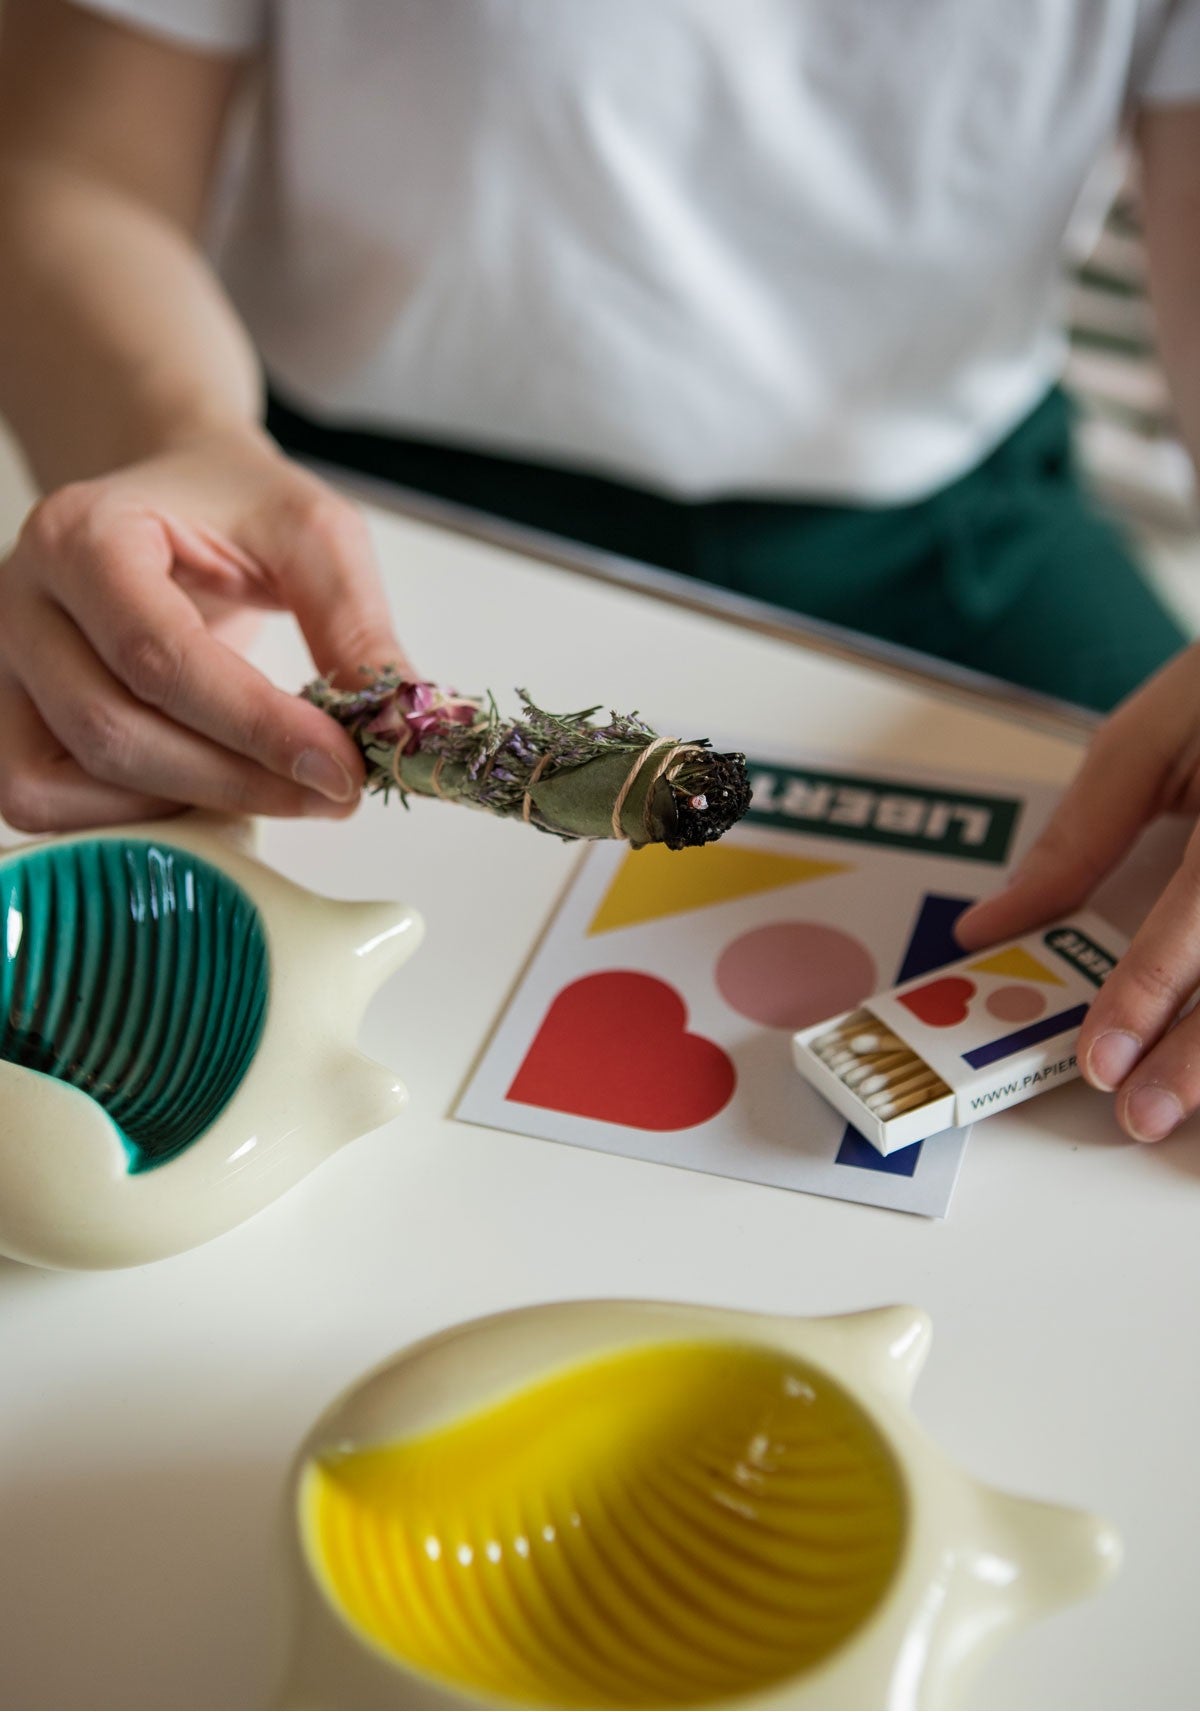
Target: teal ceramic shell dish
176,1027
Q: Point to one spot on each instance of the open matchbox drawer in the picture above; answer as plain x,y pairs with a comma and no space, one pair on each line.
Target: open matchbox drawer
973,1037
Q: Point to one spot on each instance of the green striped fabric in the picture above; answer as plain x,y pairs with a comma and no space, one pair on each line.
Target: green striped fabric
1127,431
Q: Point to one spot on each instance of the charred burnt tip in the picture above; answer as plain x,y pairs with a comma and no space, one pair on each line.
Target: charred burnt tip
710,797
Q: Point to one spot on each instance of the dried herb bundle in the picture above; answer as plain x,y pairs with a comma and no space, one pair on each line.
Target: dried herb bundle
562,772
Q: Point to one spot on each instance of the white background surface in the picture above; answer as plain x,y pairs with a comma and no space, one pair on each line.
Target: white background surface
148,1416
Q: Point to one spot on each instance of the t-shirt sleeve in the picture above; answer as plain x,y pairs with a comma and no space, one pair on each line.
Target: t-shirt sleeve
215,26
1170,69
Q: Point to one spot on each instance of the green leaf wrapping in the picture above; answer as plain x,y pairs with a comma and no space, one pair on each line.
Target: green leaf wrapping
565,773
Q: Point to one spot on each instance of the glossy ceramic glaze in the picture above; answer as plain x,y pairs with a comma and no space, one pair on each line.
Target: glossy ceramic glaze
632,1504
176,1038
645,1529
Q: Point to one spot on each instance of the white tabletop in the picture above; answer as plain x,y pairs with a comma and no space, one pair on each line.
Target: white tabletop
148,1416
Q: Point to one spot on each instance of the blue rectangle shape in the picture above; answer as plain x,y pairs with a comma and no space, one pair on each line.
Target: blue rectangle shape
857,1150
1031,1035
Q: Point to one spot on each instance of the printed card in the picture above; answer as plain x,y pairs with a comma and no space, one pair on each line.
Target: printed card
656,1017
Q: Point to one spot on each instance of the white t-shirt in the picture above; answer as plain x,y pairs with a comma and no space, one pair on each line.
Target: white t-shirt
762,247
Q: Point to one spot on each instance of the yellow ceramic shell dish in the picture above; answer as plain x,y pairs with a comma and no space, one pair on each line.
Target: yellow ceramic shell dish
630,1504
177,1031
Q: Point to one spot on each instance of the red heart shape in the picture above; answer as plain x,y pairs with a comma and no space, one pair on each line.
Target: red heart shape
940,1004
615,1047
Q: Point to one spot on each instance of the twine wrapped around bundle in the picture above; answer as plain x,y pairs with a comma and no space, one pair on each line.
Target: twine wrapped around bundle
563,773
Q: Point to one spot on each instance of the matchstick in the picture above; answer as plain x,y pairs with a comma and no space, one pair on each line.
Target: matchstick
927,1087
923,1097
875,1071
884,1042
842,1035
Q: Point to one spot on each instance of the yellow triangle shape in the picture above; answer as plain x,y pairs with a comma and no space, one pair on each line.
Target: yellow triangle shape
1019,965
657,881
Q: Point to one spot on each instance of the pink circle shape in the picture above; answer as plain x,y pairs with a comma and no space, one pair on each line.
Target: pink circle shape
1016,1004
791,974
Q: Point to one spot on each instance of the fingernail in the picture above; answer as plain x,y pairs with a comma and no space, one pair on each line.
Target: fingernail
1152,1112
317,807
1112,1057
317,771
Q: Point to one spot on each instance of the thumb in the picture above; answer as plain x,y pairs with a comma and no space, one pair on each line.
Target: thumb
332,584
1114,794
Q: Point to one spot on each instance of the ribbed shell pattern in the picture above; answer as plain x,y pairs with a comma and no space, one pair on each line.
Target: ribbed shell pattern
138,973
670,1526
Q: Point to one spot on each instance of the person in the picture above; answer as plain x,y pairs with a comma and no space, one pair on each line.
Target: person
768,294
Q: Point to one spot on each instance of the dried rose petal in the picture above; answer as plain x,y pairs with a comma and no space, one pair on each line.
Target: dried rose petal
391,724
417,697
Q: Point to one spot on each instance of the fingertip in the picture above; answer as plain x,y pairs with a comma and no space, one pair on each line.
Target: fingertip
349,755
386,654
1107,1060
1030,900
325,776
967,931
372,661
1150,1112
987,921
320,743
313,806
338,743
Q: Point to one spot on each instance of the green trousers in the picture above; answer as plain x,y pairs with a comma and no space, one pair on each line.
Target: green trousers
1011,569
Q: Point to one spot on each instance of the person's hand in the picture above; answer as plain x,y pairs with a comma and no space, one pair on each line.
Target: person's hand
1143,762
122,695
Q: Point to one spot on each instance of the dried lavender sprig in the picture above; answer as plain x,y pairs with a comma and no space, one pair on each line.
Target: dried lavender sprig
565,773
